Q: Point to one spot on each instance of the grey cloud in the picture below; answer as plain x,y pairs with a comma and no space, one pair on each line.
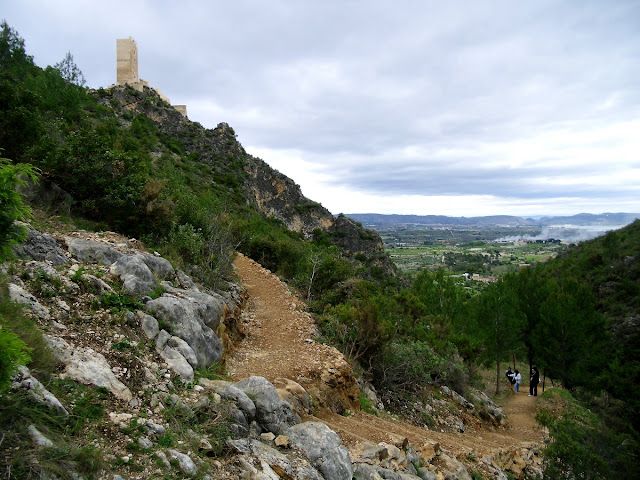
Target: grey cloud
353,85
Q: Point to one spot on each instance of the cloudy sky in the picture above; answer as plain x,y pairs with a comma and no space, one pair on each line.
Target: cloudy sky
457,108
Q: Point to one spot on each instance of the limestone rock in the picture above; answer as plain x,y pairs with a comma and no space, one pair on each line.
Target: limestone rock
161,340
425,474
20,295
460,400
137,276
258,453
371,472
38,438
282,441
271,412
97,284
23,380
323,448
491,411
150,326
160,267
186,320
41,246
185,464
295,394
228,391
88,367
185,350
451,468
177,363
92,252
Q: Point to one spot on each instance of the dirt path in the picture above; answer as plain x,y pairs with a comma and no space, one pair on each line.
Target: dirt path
279,345
279,341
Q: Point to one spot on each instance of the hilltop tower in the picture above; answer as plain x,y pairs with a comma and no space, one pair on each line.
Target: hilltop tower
127,63
127,70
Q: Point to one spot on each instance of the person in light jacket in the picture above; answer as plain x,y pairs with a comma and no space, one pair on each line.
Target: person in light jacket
518,379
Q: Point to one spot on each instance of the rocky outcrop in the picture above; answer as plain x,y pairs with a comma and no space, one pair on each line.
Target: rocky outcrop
357,242
189,321
87,366
276,195
272,413
324,448
264,461
140,272
41,246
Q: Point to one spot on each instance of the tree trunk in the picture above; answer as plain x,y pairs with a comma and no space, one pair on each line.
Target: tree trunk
497,375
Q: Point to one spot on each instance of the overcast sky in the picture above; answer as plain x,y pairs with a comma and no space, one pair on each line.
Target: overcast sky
457,108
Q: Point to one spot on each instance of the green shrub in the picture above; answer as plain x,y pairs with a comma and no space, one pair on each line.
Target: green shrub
21,340
407,365
581,445
13,352
12,206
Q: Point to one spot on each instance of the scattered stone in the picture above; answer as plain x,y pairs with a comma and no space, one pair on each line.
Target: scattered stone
267,437
163,459
120,419
155,428
97,284
38,438
282,441
185,464
145,443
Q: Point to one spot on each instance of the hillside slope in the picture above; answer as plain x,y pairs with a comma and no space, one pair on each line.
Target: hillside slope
279,345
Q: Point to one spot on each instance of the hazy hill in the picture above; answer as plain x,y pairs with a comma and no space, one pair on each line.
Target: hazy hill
583,219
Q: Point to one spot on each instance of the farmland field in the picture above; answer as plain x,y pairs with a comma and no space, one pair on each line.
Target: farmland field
486,252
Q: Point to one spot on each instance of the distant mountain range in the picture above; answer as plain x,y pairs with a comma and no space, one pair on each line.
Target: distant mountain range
581,219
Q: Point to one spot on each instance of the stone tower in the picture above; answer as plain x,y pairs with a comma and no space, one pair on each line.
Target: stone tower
127,54
127,70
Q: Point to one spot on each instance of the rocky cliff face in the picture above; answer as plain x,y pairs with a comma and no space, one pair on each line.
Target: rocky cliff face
277,196
270,192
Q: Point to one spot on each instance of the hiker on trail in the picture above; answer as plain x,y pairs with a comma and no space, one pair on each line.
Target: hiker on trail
511,378
518,380
534,380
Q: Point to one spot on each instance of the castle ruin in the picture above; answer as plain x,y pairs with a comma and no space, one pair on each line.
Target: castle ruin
127,70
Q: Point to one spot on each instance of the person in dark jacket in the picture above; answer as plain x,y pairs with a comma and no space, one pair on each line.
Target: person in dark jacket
533,382
511,378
